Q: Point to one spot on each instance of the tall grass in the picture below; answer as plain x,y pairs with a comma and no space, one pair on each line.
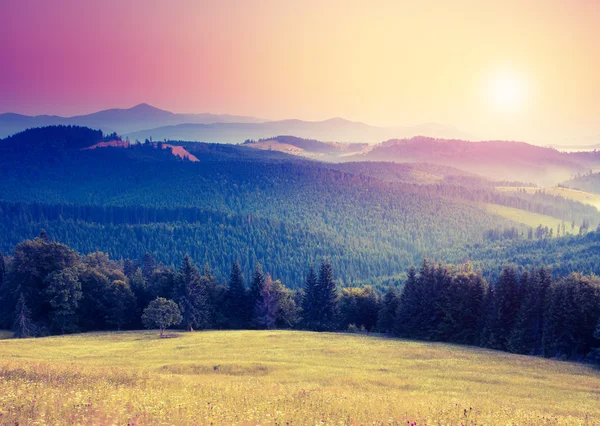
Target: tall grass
284,377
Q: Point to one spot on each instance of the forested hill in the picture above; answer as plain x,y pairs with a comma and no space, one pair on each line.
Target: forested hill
495,159
589,182
239,203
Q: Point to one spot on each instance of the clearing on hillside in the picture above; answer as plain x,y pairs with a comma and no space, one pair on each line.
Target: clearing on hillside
284,377
528,218
571,194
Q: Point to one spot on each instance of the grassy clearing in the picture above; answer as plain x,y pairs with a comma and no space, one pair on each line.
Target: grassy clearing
571,194
528,218
274,377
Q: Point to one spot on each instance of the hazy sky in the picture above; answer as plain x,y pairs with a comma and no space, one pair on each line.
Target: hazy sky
526,70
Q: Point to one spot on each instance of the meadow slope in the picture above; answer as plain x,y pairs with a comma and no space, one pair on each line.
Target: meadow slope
284,377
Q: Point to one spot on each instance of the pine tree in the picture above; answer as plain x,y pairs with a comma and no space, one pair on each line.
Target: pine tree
526,335
256,288
408,305
267,304
190,296
435,294
387,313
327,301
310,300
215,298
507,298
237,299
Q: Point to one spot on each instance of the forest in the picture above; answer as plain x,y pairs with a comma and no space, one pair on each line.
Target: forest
254,206
48,288
246,238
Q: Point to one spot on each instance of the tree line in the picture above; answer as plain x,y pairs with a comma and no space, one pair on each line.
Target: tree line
48,288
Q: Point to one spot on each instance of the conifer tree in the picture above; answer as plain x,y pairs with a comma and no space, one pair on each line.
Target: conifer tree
409,306
506,302
327,302
237,299
526,335
387,312
310,300
267,304
190,296
256,288
215,298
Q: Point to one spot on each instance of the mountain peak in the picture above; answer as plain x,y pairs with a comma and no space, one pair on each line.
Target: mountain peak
144,107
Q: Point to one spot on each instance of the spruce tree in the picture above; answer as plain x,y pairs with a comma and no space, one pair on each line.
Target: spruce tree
327,301
237,299
507,297
387,312
190,296
310,300
408,305
267,304
526,335
256,288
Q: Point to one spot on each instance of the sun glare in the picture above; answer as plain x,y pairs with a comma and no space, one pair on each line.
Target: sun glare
508,92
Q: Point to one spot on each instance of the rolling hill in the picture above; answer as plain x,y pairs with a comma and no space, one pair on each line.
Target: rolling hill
588,182
370,219
500,160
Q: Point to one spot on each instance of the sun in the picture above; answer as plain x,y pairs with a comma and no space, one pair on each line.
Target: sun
508,91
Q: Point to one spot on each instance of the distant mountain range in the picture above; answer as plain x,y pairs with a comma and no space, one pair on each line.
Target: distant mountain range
332,130
122,121
145,121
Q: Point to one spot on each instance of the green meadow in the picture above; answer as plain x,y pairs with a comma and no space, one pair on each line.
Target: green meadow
284,377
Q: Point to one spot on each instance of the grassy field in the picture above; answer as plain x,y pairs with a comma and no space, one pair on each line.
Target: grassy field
284,377
528,218
571,194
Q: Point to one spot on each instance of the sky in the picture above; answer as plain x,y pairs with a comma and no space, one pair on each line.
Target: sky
519,70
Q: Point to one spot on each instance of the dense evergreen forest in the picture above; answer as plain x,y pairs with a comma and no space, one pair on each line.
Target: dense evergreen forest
147,218
253,206
48,288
